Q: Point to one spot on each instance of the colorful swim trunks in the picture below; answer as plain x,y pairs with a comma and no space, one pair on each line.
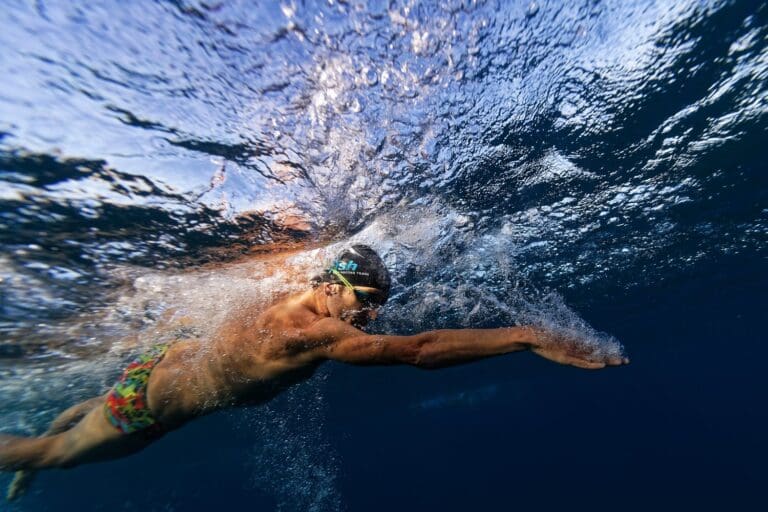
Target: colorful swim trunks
126,407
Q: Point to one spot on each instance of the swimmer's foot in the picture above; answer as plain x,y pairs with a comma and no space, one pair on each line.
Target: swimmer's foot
568,351
21,481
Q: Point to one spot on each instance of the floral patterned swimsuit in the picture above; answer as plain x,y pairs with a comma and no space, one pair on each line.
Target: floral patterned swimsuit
126,407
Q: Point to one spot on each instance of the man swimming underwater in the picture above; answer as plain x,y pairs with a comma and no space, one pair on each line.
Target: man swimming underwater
254,358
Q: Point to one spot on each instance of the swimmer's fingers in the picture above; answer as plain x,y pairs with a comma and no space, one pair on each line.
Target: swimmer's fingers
618,360
562,355
596,361
574,356
588,365
600,362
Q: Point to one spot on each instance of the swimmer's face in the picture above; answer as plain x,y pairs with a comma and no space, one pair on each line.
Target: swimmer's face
356,306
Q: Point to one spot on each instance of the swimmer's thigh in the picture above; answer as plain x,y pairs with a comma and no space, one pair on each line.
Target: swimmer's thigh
95,439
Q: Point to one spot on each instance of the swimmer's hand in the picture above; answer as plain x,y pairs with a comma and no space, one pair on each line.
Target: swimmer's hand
564,350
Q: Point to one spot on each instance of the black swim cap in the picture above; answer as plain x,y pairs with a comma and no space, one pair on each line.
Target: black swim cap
361,266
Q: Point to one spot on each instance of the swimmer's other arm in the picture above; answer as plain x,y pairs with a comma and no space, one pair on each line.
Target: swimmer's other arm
447,347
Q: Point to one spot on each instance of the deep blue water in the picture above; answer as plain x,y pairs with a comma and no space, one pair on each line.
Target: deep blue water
593,166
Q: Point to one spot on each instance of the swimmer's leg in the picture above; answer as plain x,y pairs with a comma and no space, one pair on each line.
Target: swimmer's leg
93,439
63,422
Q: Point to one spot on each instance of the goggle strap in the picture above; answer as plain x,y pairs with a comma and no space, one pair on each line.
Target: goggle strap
341,278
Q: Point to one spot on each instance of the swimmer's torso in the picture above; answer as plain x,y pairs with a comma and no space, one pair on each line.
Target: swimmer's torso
248,362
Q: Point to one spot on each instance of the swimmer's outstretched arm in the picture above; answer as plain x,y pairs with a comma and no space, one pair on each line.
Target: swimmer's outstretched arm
437,349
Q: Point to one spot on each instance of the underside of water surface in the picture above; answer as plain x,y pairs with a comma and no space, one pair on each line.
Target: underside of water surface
587,166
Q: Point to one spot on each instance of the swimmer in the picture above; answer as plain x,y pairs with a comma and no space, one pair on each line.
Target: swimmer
254,357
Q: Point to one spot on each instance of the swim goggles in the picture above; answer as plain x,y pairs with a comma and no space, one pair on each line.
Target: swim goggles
367,299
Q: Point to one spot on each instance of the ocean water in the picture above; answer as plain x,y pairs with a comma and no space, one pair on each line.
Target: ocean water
592,166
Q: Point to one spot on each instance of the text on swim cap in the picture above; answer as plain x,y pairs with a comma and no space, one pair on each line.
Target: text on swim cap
350,266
